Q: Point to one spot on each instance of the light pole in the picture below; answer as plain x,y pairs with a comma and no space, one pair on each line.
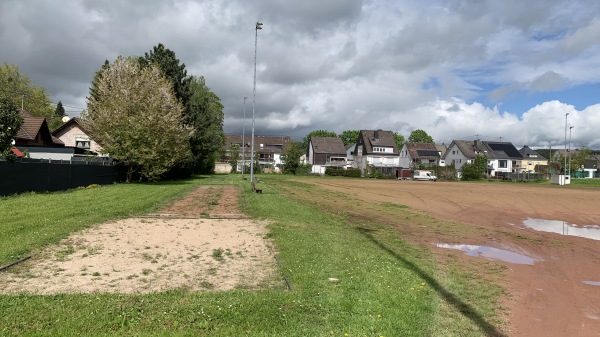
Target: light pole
257,27
570,128
244,140
565,167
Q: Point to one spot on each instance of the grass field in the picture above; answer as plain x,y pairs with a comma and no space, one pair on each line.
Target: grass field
387,286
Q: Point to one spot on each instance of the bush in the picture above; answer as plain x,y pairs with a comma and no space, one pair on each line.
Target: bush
338,172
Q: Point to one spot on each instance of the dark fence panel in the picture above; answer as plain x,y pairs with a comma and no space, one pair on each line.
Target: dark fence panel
38,176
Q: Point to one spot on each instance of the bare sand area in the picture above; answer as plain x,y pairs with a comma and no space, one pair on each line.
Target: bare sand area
199,243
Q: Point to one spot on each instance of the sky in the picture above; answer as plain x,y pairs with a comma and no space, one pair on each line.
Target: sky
506,70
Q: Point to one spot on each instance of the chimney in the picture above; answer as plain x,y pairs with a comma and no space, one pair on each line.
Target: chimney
376,134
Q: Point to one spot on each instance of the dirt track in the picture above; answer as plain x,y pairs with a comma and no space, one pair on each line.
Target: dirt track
548,298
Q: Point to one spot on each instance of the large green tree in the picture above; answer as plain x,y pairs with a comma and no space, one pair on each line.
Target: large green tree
205,115
60,110
175,72
476,170
316,133
399,139
10,123
23,92
349,136
291,157
420,136
135,117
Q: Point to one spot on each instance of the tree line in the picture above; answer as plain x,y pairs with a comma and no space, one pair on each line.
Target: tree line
145,111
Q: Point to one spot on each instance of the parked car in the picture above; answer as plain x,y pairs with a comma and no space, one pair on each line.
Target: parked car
424,175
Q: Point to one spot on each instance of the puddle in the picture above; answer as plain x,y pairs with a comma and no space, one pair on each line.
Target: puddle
490,253
592,283
564,228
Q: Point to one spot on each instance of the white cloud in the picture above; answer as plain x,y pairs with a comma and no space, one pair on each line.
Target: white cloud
337,65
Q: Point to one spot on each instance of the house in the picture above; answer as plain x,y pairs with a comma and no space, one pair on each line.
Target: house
590,167
531,160
326,152
268,149
376,149
72,133
35,139
35,132
501,156
350,155
417,155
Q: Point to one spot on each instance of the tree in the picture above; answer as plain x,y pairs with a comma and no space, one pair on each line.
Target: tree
135,117
166,60
420,136
291,157
60,110
399,139
10,123
578,158
316,133
234,156
23,92
205,115
349,136
475,171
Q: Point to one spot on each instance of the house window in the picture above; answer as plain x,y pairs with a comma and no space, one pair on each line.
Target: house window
453,152
502,163
378,149
82,142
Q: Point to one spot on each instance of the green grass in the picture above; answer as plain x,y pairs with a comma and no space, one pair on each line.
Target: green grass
30,221
387,286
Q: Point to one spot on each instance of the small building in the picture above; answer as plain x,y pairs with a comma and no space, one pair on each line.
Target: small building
268,149
73,134
326,152
376,149
416,155
531,160
502,157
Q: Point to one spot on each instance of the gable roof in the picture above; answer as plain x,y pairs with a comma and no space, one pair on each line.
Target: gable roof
333,145
422,150
33,127
527,153
503,150
74,120
492,150
273,144
374,138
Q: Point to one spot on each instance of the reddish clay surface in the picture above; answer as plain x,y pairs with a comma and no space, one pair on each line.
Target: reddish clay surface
547,298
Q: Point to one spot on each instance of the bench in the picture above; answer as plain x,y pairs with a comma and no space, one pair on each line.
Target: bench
254,189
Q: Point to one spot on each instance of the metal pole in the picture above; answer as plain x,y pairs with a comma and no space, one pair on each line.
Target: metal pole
570,149
244,140
565,167
257,27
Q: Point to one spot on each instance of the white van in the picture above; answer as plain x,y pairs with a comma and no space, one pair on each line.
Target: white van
424,175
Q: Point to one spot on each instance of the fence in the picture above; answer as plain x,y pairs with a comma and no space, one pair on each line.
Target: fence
39,175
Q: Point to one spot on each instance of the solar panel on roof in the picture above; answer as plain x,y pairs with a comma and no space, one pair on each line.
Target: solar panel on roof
427,153
507,148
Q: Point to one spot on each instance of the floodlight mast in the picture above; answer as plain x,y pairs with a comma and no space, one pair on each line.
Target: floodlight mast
257,27
244,140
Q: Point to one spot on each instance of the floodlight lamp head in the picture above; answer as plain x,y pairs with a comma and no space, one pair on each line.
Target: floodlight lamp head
259,25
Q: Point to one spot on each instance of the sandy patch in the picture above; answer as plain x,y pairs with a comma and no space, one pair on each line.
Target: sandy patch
149,254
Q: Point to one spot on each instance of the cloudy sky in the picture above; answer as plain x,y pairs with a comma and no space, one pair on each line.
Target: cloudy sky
458,69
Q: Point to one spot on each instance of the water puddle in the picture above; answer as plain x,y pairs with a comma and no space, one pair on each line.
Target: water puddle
490,253
563,227
592,283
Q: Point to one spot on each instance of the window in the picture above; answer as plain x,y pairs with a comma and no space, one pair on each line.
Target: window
502,163
82,142
453,152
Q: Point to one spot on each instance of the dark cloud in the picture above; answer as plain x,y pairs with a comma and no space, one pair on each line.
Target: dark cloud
336,65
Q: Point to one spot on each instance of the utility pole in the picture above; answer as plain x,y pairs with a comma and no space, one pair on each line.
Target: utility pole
257,27
244,140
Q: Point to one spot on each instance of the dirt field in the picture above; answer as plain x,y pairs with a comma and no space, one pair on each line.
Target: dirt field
559,295
201,242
